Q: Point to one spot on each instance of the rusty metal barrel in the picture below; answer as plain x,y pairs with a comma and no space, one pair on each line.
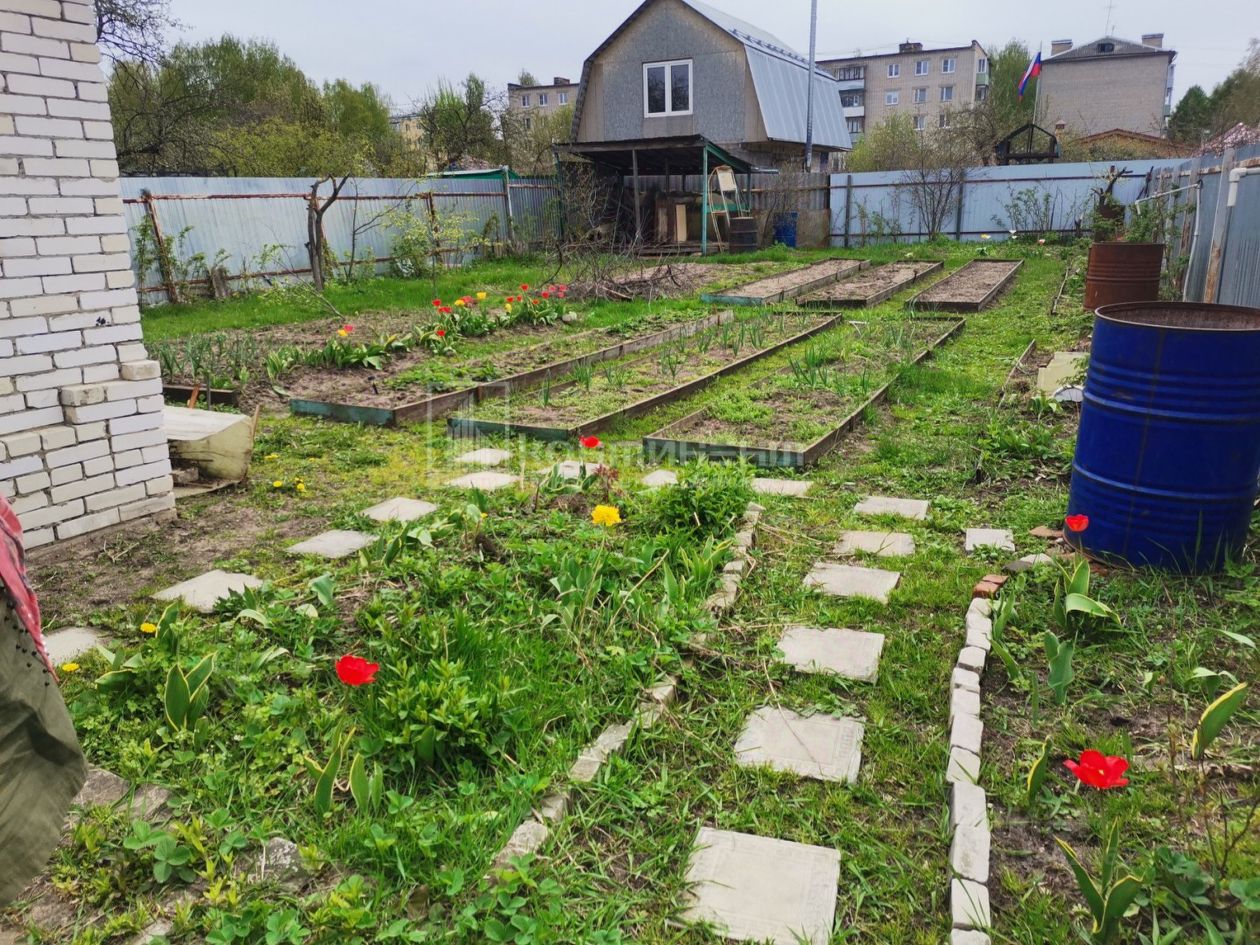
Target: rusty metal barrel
1169,445
1123,272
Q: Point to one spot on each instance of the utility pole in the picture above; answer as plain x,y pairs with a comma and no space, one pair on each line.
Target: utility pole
809,79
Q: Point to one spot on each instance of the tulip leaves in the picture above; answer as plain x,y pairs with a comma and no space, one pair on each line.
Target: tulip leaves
1107,898
185,697
1059,653
1073,607
1214,718
1037,774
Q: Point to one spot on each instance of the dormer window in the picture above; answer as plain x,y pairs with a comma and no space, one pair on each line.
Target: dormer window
1106,47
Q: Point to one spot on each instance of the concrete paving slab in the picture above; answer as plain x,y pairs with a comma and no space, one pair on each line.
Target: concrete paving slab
1000,538
485,457
338,543
204,591
1063,366
916,509
789,487
485,481
660,477
843,580
853,654
819,746
400,509
883,544
759,889
69,643
572,468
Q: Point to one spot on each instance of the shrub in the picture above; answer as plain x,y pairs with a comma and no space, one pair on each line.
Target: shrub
708,499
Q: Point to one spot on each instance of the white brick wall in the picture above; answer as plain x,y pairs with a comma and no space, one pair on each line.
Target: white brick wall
81,441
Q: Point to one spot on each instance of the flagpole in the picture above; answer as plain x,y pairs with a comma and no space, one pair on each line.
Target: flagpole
1037,97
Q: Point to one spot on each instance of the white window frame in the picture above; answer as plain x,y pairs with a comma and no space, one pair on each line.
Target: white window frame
668,65
920,95
892,97
947,93
894,70
542,99
562,98
982,66
922,66
943,121
949,65
920,123
524,101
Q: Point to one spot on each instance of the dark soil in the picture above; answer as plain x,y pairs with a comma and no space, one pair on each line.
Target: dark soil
969,285
789,406
871,286
772,287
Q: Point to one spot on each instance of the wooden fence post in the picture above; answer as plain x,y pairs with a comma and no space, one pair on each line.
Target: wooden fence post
848,209
1220,223
163,256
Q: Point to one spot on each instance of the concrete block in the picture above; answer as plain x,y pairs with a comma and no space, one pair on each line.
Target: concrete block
485,457
852,654
485,481
141,371
821,747
969,904
400,509
331,544
660,477
1000,538
972,658
969,853
963,765
964,679
963,702
882,544
968,805
203,592
781,487
840,580
916,509
967,732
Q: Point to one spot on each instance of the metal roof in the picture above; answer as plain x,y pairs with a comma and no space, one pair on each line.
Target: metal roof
779,76
1123,47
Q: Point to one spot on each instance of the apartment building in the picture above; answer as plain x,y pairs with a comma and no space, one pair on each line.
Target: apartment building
927,84
1108,84
408,127
538,100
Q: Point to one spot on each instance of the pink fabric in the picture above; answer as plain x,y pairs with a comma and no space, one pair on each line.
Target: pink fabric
13,578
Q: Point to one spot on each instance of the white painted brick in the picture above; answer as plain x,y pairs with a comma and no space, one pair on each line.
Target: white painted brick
36,266
128,459
38,85
32,483
76,454
17,288
37,538
99,354
27,186
53,341
85,52
137,389
106,500
6,351
125,314
53,514
113,224
105,167
98,129
94,92
63,474
63,206
29,364
64,69
112,334
12,206
137,422
45,305
98,466
141,473
118,408
32,226
8,490
49,8
13,63
120,279
24,504
141,370
22,466
156,454
153,506
10,403
34,45
51,379
23,105
8,166
86,432
160,486
154,404
22,444
109,206
17,327
87,523
102,262
61,29
38,399
138,441
69,245
100,373
82,487
79,148
15,23
115,243
78,12
39,147
83,395
87,282
14,247
95,300
86,187
48,127
75,321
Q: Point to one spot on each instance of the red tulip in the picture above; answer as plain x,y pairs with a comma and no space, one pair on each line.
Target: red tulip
347,328
546,295
524,286
437,303
441,333
590,442
356,671
1076,523
1099,771
445,310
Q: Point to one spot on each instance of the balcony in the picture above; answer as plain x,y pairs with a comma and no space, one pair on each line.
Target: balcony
982,78
852,85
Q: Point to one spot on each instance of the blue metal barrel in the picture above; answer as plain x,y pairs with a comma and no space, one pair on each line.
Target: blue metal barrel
1169,446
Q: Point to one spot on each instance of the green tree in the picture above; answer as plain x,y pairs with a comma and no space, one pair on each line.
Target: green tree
526,78
1237,99
1193,117
458,123
1001,111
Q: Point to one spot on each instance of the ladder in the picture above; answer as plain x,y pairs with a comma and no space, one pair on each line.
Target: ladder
723,200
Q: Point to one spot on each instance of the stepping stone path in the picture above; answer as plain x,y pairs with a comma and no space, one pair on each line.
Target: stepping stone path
789,487
818,746
1000,538
485,457
485,481
334,544
572,468
762,889
204,591
844,580
916,509
70,643
852,654
883,544
400,509
661,477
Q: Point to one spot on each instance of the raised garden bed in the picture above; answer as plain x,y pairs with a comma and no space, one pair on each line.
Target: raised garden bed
871,287
788,285
512,370
839,378
591,400
973,287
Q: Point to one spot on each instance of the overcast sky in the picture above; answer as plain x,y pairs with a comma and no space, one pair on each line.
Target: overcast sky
405,46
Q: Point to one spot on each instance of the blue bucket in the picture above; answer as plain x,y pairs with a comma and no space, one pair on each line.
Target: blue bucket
785,228
1169,446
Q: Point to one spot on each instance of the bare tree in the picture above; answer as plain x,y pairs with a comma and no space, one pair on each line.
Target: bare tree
133,29
936,172
316,241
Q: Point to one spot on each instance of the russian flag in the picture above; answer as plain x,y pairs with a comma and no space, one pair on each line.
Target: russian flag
1033,70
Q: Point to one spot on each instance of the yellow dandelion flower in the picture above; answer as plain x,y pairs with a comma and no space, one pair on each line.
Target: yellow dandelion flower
984,236
485,514
459,303
69,667
301,487
606,515
278,484
341,332
271,456
481,296
148,628
507,307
